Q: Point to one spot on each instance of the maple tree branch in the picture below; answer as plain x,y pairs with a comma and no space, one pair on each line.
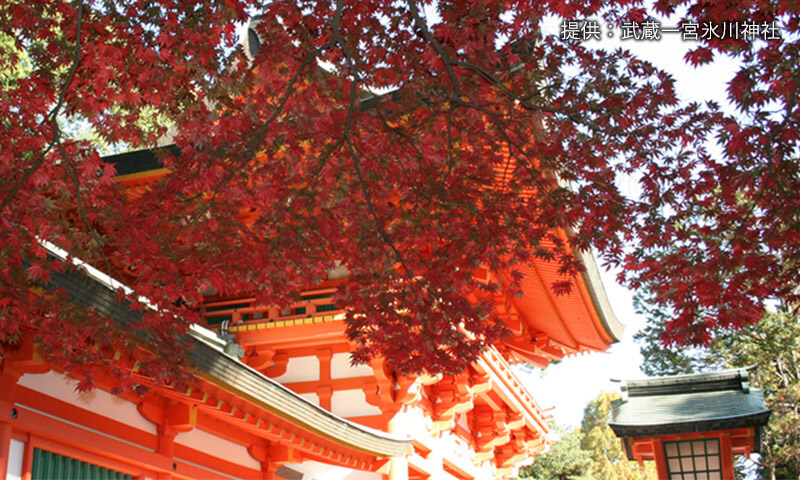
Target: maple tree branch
323,160
392,129
790,106
488,77
413,144
368,200
376,218
571,116
79,201
261,134
494,81
743,222
450,159
53,112
448,62
27,175
525,101
399,132
353,155
512,145
77,58
790,110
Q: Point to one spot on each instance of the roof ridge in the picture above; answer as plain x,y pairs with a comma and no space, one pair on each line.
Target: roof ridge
732,379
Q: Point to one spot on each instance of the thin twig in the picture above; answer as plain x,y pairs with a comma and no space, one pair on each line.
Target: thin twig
51,116
448,62
323,160
81,209
354,157
261,134
512,145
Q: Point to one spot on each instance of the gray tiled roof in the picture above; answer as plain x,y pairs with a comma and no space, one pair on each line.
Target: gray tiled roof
238,378
688,403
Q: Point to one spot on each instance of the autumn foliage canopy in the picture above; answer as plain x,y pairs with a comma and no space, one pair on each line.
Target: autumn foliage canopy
410,142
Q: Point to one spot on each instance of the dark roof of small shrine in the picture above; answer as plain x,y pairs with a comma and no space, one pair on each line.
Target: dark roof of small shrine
138,161
688,403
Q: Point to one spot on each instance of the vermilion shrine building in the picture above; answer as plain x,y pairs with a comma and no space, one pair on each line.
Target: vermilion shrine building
283,401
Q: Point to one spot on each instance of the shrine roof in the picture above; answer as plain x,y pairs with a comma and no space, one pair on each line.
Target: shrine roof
563,324
89,287
139,161
597,293
688,403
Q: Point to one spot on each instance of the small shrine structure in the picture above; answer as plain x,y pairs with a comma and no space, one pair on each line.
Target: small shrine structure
691,425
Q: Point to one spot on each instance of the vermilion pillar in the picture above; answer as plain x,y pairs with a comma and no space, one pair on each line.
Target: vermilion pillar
398,466
5,444
726,450
661,460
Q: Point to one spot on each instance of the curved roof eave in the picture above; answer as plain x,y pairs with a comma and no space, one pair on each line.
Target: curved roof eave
591,277
231,374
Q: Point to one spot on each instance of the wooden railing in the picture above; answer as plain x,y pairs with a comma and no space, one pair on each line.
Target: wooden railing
243,310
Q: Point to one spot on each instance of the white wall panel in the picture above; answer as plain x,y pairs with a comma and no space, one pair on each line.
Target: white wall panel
340,368
300,369
15,453
97,401
352,403
218,447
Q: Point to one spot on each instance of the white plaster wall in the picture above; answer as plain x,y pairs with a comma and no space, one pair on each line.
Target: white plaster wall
340,367
413,422
457,451
352,403
300,369
456,447
97,401
311,397
15,453
487,469
323,471
217,447
60,386
359,475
